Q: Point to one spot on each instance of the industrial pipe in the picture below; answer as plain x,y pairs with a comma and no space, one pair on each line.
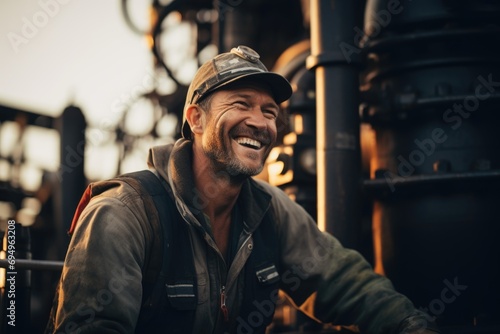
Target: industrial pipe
337,102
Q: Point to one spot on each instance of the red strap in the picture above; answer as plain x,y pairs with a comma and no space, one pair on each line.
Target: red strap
87,194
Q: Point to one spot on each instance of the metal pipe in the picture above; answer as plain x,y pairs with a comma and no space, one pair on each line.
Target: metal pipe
34,264
219,26
337,104
71,126
25,117
388,183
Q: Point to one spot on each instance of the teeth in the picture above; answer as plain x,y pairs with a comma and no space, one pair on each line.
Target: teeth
249,142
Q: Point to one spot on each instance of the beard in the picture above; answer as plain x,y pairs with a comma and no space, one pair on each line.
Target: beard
219,149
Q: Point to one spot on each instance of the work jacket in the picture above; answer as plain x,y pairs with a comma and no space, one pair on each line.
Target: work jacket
101,288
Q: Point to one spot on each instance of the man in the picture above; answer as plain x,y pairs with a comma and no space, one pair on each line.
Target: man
238,240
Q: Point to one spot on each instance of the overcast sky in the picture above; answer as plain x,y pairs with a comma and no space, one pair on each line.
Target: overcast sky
57,52
54,53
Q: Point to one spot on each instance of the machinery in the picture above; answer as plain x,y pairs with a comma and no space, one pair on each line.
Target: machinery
390,142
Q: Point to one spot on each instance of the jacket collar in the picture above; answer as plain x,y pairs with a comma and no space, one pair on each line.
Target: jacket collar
173,163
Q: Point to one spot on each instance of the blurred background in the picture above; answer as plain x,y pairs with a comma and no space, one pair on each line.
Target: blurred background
389,140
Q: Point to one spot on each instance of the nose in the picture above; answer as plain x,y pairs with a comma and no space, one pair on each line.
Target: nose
257,120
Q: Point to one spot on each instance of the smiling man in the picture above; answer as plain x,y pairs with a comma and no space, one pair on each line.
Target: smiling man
241,125
232,242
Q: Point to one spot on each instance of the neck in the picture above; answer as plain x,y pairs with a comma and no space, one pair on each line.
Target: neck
217,188
219,191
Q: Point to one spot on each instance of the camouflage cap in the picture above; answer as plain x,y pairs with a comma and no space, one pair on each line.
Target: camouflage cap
241,62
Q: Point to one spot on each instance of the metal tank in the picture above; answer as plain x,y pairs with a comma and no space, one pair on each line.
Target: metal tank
430,90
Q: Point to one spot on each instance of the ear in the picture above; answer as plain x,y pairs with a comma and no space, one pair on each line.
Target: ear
194,117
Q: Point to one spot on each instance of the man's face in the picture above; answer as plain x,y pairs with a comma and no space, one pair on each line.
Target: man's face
240,129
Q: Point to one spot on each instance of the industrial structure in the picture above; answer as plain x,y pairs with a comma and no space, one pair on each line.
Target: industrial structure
390,142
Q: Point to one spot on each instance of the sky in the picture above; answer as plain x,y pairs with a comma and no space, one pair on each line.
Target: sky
56,53
60,52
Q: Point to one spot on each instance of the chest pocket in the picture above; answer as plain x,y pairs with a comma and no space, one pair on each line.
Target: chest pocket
267,273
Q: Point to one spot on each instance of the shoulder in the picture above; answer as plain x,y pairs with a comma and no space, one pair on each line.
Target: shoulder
125,188
279,198
283,206
116,208
276,193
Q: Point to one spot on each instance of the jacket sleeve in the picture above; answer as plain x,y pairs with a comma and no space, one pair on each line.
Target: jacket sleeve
100,288
330,283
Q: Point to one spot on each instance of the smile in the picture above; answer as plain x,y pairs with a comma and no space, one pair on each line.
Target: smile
249,142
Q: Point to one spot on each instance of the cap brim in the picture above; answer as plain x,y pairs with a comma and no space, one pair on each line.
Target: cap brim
279,86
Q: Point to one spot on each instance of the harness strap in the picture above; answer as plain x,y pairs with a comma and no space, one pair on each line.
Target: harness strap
154,196
169,283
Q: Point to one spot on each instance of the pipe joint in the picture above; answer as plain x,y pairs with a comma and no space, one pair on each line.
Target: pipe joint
332,58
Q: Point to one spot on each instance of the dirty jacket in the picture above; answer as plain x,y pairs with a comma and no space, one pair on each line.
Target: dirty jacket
101,289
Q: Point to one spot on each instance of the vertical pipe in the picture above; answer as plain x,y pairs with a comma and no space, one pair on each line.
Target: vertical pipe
237,26
333,24
71,126
219,26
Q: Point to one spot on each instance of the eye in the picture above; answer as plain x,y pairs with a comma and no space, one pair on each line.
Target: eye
270,113
242,105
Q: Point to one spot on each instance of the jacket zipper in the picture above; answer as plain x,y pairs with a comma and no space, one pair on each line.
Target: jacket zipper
223,282
222,279
223,306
